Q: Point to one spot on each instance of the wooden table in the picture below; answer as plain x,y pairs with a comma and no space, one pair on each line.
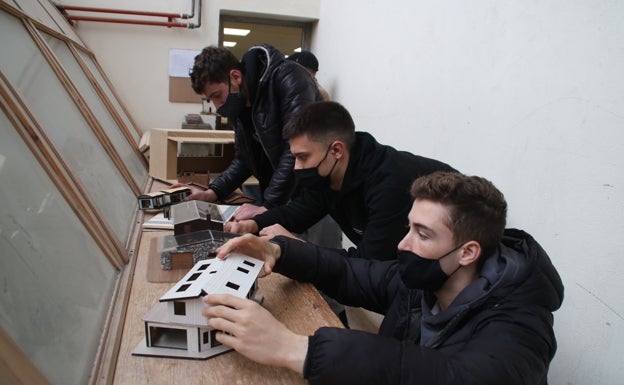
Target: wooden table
299,306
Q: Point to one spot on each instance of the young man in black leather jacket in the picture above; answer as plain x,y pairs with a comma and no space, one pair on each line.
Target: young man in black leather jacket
259,93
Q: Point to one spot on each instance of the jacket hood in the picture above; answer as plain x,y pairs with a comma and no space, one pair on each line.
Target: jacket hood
364,157
519,272
257,63
524,272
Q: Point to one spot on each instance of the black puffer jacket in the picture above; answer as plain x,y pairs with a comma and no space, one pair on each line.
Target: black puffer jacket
279,88
372,205
498,330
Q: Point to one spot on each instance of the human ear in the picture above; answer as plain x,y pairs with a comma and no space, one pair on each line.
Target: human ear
471,251
338,149
236,76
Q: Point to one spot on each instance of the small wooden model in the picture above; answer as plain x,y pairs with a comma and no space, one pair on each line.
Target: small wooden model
159,199
185,250
192,216
175,326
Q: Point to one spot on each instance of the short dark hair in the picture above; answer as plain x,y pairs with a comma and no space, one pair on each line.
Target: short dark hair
322,122
477,209
212,65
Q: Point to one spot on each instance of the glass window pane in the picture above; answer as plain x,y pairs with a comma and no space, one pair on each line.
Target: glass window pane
11,3
48,100
61,24
109,93
113,131
57,284
37,12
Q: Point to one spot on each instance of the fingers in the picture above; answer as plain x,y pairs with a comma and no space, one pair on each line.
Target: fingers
243,244
228,300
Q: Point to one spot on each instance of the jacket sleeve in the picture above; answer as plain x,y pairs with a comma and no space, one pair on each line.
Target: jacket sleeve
294,89
501,352
351,281
297,215
237,172
280,185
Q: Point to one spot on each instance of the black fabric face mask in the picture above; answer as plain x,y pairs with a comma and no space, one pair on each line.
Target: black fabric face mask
422,273
311,179
233,106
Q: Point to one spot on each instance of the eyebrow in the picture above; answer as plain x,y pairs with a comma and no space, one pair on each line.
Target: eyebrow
421,226
300,153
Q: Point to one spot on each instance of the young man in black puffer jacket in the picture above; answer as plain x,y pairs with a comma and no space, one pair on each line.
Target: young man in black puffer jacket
466,302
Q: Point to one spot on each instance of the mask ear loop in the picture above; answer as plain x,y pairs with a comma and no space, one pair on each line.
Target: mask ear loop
325,157
449,253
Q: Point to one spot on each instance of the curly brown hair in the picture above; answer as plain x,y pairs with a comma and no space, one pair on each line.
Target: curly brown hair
212,65
477,209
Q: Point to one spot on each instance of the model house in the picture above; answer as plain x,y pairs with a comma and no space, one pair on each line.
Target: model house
185,250
175,326
192,216
159,199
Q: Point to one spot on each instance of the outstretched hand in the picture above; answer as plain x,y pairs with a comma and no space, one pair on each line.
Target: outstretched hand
248,211
197,193
275,230
255,247
252,331
241,227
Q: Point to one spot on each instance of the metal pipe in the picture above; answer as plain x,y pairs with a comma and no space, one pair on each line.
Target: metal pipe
122,11
169,16
130,21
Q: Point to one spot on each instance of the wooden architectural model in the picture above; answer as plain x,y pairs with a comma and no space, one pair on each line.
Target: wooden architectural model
183,251
175,326
159,199
192,216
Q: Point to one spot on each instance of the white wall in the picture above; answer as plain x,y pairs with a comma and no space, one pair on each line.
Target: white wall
136,57
529,94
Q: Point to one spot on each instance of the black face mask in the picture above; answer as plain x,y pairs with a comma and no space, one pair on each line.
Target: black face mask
311,179
422,273
233,105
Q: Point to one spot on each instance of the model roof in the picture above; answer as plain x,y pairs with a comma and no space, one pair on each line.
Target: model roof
234,275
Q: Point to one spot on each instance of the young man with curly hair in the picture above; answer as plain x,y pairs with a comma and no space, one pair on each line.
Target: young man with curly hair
259,94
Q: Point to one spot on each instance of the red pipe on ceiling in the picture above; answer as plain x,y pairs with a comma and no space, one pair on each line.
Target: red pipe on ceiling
128,21
123,11
168,23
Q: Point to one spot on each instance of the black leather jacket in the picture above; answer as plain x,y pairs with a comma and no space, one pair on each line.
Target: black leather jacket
279,88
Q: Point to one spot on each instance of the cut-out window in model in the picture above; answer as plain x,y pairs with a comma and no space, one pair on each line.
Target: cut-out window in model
179,308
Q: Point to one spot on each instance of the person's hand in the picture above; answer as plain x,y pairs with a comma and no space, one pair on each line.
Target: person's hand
242,227
248,211
252,331
197,194
255,247
275,230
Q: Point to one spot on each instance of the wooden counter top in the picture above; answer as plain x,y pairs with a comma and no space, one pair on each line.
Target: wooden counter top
299,306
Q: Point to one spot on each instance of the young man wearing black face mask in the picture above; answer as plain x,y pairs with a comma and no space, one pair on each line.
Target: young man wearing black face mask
259,94
467,302
362,184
